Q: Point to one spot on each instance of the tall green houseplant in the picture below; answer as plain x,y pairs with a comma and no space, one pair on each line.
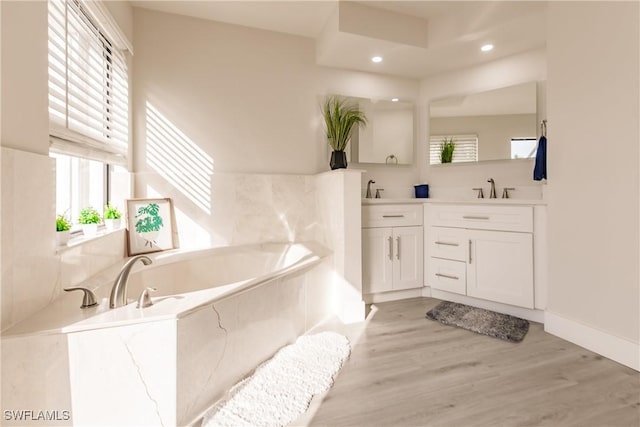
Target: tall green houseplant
341,117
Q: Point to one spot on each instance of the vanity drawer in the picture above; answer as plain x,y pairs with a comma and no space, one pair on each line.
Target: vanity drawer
447,275
448,243
482,217
391,215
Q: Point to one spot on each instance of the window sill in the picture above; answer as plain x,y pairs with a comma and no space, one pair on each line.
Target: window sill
79,239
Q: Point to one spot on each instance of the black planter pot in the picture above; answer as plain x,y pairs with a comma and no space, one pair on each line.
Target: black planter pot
338,160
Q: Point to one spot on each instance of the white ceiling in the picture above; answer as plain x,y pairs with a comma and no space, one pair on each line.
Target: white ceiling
455,30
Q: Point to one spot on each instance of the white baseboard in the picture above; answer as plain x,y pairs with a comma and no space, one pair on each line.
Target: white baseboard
524,313
393,295
615,348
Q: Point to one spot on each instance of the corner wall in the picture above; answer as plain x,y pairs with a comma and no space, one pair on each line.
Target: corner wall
594,184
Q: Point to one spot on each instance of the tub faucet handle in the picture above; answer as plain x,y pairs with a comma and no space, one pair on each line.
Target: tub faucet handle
88,298
145,300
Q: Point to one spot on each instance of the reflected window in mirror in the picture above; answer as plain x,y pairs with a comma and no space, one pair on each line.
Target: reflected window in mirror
523,148
465,148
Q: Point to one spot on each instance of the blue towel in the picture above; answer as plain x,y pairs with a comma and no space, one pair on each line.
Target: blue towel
540,169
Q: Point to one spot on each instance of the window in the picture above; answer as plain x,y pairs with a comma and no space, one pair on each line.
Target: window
88,107
88,88
79,183
466,148
523,148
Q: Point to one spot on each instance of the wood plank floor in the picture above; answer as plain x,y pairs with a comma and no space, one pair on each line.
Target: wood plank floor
406,370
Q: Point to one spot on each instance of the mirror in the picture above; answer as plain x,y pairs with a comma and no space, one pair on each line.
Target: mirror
492,125
388,136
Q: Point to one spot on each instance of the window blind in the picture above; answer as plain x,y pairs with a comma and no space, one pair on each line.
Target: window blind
466,148
88,87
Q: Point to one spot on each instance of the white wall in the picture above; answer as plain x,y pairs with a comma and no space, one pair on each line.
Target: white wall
593,159
25,117
248,99
526,67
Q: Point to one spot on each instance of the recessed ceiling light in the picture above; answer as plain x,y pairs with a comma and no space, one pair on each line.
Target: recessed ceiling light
376,59
486,47
394,100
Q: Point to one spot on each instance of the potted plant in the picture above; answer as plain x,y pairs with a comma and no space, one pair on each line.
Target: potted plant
89,220
341,118
112,217
446,150
63,230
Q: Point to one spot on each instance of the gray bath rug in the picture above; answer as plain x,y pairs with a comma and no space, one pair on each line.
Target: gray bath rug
485,322
281,389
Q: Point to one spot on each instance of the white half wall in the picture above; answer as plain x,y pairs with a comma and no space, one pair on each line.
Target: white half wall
339,228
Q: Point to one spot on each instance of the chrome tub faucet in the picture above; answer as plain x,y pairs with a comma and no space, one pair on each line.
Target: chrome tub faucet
118,296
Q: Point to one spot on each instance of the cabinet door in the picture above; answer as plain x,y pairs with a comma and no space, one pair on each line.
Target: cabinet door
408,258
500,267
377,260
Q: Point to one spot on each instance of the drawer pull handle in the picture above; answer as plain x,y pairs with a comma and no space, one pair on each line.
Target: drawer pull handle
447,244
470,250
398,247
484,218
447,276
390,248
392,216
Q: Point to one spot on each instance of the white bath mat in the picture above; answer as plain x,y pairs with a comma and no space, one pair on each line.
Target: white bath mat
280,389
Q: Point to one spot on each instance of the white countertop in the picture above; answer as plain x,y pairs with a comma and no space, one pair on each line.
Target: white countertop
460,202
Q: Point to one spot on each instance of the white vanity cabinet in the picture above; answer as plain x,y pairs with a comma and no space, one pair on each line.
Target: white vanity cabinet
483,251
392,247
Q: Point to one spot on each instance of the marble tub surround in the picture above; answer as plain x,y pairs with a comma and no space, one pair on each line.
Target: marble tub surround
238,208
185,281
34,272
165,364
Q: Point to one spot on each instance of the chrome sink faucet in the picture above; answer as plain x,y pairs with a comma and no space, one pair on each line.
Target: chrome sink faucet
492,194
368,195
118,296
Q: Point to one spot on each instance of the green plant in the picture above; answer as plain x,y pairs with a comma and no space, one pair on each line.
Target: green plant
111,212
340,117
151,220
446,150
62,224
89,215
